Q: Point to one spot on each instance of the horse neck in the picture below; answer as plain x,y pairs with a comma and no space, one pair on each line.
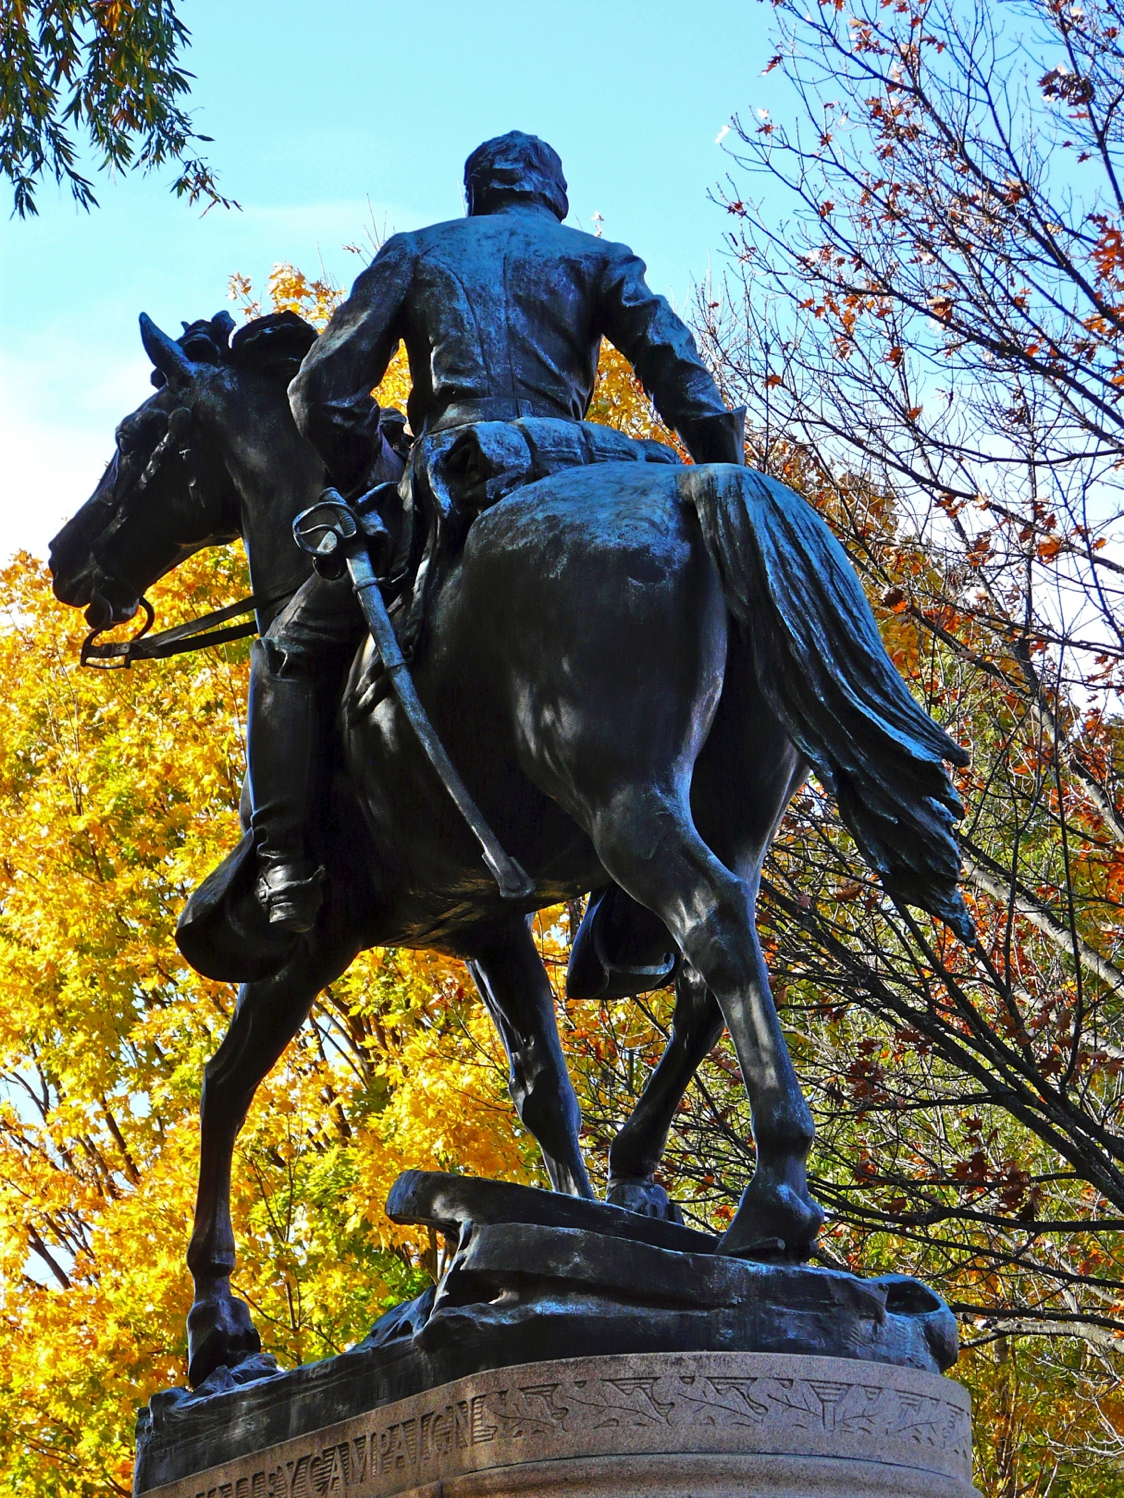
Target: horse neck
285,477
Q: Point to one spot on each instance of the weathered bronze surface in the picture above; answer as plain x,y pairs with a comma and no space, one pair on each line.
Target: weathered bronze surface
631,663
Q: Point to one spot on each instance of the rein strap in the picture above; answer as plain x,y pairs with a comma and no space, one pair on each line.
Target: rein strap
196,634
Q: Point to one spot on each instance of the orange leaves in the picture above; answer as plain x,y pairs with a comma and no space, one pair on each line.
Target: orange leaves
902,640
619,400
1059,85
973,1169
1107,255
289,290
851,889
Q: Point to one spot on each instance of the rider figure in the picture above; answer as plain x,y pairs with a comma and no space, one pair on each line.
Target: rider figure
502,314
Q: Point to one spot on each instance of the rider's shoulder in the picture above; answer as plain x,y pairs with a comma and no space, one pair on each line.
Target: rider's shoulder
620,255
398,246
552,236
419,240
398,254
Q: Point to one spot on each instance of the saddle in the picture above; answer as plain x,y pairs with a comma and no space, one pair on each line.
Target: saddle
473,467
455,474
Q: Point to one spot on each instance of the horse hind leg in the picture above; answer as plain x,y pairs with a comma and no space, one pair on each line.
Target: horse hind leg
648,843
509,974
267,1016
636,1152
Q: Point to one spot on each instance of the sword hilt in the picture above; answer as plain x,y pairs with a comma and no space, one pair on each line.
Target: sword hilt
331,531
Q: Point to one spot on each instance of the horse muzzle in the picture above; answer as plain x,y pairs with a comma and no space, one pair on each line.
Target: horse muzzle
107,600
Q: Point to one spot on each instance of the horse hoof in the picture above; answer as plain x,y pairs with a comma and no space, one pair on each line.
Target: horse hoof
774,1222
220,1333
641,1194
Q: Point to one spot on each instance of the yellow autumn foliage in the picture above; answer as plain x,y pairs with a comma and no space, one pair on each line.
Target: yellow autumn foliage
118,793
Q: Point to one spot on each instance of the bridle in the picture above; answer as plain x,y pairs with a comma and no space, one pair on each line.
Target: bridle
116,655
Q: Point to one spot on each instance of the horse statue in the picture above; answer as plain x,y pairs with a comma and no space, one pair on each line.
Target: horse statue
633,666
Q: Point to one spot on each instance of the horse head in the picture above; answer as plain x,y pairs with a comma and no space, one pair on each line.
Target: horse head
188,460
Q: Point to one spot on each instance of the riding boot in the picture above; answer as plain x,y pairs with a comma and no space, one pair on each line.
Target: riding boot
284,786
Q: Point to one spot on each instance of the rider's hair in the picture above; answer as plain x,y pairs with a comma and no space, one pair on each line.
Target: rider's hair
515,168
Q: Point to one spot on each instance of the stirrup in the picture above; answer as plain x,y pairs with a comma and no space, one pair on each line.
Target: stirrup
292,904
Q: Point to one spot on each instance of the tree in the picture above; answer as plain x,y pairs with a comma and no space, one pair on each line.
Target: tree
99,74
118,792
924,320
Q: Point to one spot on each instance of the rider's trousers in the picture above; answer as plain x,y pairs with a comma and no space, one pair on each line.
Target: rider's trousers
282,742
296,669
320,626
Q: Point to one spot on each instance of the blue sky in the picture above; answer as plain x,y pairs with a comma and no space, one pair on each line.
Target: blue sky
315,110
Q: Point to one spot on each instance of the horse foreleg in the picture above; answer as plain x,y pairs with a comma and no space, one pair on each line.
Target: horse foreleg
508,971
635,1153
267,1016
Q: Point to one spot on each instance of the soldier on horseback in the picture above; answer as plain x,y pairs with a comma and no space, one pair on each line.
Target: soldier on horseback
632,667
502,314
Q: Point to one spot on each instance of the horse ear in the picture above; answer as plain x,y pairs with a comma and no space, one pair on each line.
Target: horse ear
165,354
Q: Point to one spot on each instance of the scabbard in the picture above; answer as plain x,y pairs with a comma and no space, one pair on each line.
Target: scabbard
513,881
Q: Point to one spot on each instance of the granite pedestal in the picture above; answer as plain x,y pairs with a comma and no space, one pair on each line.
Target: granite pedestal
700,1423
576,1348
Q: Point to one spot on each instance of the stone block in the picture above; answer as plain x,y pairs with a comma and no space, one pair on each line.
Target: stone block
703,1424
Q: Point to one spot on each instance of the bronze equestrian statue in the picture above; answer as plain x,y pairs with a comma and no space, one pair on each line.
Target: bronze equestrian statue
631,662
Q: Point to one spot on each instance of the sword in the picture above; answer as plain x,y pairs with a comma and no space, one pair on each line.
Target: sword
334,535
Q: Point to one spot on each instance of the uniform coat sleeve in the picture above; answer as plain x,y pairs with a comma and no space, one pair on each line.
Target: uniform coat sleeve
656,342
330,396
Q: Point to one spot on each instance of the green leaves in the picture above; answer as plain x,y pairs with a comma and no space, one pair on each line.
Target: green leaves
101,75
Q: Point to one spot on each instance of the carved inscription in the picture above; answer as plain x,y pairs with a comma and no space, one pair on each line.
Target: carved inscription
622,1403
518,1420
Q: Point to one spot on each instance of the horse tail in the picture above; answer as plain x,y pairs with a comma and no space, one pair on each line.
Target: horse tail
824,670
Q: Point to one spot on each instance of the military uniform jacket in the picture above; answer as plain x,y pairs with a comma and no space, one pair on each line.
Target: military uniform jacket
502,315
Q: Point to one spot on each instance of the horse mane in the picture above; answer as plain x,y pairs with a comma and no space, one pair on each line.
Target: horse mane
273,345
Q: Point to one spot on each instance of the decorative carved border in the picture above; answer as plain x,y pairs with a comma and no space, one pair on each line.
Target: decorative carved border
644,1403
